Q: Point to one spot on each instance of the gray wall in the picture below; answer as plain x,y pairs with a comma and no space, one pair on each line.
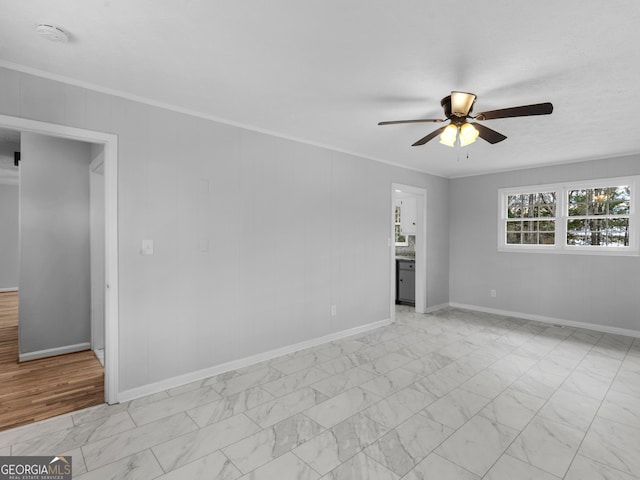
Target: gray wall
594,289
9,247
291,229
54,308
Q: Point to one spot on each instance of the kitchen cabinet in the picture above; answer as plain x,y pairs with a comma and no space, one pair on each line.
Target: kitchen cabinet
408,216
406,282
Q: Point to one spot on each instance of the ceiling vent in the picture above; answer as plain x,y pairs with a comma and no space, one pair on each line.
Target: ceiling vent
52,32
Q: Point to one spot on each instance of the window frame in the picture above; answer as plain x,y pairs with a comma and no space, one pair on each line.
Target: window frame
562,217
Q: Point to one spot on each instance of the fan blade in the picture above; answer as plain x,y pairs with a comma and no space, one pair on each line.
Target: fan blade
523,111
423,120
431,136
488,134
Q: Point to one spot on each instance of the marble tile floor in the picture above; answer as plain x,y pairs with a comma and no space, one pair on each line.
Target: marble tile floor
450,395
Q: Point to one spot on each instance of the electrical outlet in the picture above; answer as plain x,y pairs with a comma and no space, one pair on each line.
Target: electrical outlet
334,311
493,293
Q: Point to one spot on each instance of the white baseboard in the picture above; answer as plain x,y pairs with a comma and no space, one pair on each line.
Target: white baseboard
436,307
186,378
52,352
99,353
8,289
558,321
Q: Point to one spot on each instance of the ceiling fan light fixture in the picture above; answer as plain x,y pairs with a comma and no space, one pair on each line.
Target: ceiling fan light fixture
449,135
468,134
461,103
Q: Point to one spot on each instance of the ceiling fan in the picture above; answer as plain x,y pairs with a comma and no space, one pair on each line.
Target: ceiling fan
457,108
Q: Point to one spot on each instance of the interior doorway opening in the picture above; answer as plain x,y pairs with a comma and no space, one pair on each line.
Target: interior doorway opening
408,252
107,148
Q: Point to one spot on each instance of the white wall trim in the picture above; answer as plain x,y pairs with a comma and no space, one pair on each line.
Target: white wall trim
97,164
110,142
8,289
195,113
186,378
558,321
436,307
522,168
50,352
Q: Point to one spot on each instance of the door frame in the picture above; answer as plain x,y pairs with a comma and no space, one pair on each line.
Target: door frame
110,143
96,168
421,247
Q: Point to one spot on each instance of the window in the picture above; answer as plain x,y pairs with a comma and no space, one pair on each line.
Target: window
597,216
531,218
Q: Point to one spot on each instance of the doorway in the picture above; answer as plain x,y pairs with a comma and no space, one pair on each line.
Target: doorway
405,236
109,145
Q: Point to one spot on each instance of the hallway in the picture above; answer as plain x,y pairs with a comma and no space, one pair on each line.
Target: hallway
44,388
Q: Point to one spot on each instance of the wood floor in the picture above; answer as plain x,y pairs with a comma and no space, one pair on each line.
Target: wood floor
39,389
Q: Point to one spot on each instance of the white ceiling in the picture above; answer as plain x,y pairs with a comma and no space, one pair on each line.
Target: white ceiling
326,71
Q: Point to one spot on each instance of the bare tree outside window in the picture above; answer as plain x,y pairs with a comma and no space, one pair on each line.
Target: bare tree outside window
531,218
599,216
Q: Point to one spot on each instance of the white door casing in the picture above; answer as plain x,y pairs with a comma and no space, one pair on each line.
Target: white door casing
110,143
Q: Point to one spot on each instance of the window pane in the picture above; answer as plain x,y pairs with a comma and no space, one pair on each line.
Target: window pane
514,206
618,200
514,238
577,196
597,231
576,232
530,232
577,209
576,239
545,211
617,232
598,208
599,201
514,226
610,232
623,193
546,226
531,205
620,208
547,238
549,198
